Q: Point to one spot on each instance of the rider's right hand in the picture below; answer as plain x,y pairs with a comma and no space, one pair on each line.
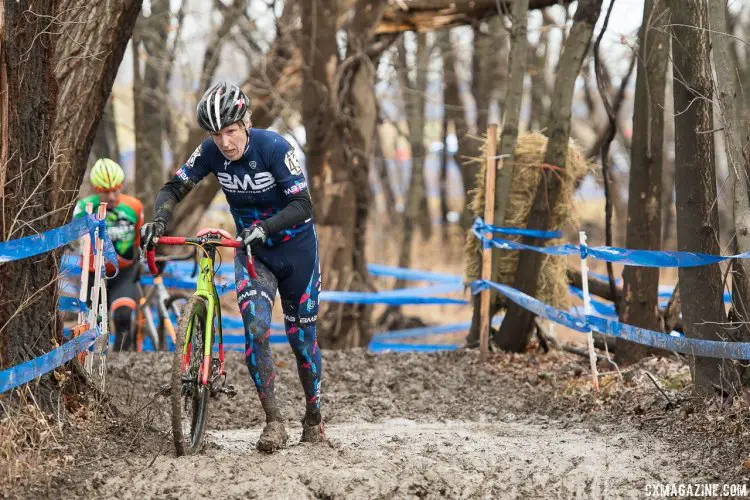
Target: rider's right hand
149,231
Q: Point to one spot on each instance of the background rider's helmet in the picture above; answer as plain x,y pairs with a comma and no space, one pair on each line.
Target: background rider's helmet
107,175
222,105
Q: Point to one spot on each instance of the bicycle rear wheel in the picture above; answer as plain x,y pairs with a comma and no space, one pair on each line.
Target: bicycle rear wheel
174,305
189,397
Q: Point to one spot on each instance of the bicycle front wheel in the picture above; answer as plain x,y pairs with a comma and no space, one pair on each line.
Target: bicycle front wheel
189,396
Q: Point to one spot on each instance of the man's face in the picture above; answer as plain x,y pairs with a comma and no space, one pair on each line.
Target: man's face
231,140
112,197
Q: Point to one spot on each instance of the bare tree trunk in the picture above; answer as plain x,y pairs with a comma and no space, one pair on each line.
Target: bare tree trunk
150,96
46,141
453,114
340,114
641,284
697,214
96,27
517,326
609,135
732,108
538,72
28,309
142,174
416,199
468,146
509,134
105,141
668,233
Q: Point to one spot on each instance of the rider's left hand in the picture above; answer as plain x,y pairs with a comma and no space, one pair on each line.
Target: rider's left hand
254,236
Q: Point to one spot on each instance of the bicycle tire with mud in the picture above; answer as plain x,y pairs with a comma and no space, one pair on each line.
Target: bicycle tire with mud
197,396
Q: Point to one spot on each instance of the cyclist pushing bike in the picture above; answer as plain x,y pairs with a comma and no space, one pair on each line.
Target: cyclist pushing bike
271,206
124,220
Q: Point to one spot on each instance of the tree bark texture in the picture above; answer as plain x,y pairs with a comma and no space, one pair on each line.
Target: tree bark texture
340,113
732,103
697,213
59,60
640,304
28,319
516,328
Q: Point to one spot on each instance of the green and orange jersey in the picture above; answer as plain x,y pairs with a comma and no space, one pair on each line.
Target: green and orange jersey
124,221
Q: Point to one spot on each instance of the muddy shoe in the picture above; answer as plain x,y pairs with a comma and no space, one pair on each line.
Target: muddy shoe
272,438
313,434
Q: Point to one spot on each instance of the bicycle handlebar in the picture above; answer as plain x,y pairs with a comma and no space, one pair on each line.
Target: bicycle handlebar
181,240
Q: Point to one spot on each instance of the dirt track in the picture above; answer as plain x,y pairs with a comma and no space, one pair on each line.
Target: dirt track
425,426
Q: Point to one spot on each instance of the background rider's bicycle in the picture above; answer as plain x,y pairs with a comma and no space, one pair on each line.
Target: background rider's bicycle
158,309
196,373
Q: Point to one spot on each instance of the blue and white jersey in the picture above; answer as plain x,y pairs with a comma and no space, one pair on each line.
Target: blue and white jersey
258,185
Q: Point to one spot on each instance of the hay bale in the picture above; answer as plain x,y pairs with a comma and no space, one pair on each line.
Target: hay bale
530,149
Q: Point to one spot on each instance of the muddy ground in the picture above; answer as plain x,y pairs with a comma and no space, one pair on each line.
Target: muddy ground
414,426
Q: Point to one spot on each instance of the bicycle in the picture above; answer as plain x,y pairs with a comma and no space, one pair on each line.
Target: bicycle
167,305
195,373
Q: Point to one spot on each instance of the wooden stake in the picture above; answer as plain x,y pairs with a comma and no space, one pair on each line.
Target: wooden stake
489,218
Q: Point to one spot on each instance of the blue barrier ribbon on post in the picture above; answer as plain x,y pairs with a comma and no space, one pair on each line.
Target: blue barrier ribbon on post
645,258
685,345
560,250
29,370
531,304
37,244
483,227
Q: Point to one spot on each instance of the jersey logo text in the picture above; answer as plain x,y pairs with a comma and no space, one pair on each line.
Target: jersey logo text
260,182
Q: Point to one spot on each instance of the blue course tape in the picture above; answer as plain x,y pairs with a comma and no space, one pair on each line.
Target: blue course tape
389,297
645,258
421,331
685,345
54,238
482,227
531,304
240,339
603,308
613,328
183,269
559,250
382,347
380,270
29,370
71,304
